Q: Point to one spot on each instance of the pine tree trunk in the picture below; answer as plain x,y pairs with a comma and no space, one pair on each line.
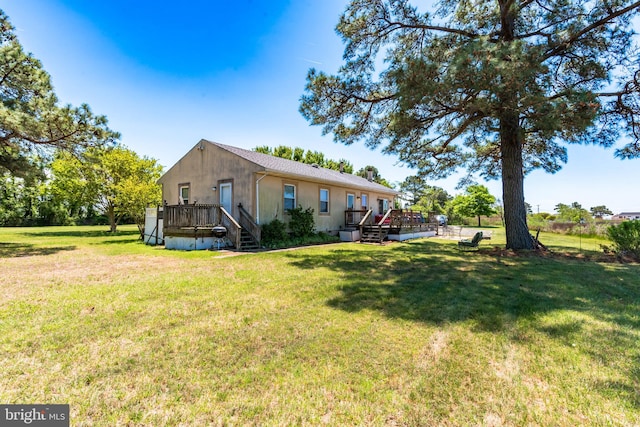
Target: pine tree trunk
515,212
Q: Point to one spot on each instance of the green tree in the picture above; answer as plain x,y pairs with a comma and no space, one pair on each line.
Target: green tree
497,87
375,175
264,149
434,199
477,201
115,180
20,196
572,213
283,152
16,200
309,157
139,191
414,187
298,154
31,120
600,211
314,158
70,187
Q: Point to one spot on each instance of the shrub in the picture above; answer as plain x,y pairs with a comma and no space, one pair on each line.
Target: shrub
274,232
301,224
626,238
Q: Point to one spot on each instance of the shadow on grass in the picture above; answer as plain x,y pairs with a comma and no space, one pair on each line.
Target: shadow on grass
436,284
15,250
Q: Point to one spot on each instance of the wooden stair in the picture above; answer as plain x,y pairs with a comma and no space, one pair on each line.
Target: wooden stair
373,234
247,242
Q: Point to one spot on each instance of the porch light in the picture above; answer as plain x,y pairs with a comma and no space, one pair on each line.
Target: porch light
214,188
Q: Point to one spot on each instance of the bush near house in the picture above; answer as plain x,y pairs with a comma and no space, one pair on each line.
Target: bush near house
302,223
274,231
301,226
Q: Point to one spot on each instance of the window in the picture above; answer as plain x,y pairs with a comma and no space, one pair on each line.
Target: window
364,201
324,201
351,201
383,206
289,197
183,194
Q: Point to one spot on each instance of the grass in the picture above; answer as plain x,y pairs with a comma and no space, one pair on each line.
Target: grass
413,333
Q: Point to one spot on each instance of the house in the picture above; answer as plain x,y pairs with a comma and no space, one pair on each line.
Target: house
258,188
627,215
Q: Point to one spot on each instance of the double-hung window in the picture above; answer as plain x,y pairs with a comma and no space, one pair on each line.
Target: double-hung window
289,197
324,201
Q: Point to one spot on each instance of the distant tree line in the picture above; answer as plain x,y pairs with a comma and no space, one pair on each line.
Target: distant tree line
311,157
96,186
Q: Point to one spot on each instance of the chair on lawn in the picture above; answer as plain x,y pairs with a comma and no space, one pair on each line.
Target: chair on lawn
470,244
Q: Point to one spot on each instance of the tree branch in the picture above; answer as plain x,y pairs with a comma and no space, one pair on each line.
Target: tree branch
571,40
402,25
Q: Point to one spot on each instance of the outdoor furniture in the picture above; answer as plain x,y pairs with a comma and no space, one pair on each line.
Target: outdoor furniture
470,244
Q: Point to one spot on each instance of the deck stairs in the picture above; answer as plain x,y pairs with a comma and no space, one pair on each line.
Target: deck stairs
247,242
373,234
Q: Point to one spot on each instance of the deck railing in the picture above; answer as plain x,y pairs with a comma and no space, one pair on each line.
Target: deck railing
409,219
178,217
353,217
400,220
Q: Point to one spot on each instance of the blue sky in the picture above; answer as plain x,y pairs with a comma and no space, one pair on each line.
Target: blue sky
167,74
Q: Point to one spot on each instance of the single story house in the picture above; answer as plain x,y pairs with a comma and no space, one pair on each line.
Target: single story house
266,186
627,215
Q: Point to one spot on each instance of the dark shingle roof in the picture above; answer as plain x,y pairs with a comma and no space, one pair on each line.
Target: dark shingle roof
300,170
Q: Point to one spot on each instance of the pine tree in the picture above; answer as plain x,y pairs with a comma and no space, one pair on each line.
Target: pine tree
496,87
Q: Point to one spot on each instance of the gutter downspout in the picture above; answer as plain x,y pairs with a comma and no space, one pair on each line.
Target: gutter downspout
258,197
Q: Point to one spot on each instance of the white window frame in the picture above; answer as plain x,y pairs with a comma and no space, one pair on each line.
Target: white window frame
181,188
351,198
328,198
285,198
364,200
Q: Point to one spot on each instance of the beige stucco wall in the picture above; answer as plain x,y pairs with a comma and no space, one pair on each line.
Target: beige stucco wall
271,199
210,166
205,168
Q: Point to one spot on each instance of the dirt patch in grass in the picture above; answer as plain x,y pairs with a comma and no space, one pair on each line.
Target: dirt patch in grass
40,274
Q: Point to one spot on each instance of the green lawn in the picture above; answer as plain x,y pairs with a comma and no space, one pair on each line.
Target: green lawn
413,333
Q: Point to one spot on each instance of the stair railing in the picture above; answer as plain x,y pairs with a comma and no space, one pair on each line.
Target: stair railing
365,218
233,228
249,224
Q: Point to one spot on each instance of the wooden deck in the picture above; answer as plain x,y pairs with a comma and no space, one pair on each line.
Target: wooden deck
181,219
198,221
396,222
